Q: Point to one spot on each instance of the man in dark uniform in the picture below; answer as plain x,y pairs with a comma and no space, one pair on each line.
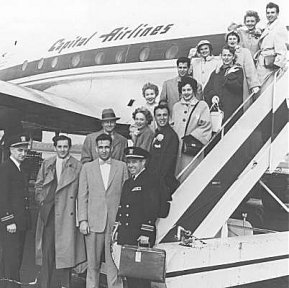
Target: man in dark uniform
164,151
14,209
139,206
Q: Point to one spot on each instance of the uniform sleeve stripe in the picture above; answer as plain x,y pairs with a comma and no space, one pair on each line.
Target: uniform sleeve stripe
6,218
147,227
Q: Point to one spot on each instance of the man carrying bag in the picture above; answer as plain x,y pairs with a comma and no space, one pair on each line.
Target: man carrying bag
137,213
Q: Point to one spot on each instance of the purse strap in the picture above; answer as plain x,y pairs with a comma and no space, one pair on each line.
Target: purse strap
190,117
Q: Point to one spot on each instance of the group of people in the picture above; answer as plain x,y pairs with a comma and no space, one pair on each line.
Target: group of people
126,187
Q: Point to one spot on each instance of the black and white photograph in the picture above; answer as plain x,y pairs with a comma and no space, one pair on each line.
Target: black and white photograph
144,144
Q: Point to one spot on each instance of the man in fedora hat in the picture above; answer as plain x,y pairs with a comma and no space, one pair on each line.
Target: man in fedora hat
119,143
139,206
14,209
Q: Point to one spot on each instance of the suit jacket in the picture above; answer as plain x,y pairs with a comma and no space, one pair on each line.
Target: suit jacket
138,209
14,201
95,204
170,92
88,154
69,242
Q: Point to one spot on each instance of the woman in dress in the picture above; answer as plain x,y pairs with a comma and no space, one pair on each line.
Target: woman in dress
140,132
198,125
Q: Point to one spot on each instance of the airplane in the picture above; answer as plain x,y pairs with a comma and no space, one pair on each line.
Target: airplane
63,83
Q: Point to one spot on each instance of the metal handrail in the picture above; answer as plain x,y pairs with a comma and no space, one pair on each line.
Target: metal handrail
221,132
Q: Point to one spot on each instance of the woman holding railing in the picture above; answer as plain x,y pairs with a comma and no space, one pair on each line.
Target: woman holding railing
226,83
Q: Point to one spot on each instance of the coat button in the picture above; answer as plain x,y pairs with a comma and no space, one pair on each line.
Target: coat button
71,213
119,215
126,215
184,120
126,224
185,111
71,197
127,206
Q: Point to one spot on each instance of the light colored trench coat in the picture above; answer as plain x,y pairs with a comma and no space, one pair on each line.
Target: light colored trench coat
69,243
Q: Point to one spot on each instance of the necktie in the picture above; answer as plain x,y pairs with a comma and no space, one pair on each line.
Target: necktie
102,162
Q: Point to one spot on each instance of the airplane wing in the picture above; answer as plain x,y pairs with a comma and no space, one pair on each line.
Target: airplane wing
44,111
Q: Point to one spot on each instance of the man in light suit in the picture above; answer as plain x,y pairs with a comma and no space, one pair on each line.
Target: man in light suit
272,44
119,143
98,198
170,91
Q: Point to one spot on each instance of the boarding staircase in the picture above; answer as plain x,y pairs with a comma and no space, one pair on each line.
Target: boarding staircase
235,160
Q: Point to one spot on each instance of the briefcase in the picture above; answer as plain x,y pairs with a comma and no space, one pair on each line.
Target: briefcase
143,263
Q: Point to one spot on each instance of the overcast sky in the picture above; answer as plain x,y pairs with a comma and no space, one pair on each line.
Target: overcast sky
24,18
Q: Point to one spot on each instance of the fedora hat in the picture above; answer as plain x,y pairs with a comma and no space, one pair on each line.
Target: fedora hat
108,114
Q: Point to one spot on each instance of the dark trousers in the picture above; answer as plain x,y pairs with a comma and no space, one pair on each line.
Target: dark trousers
12,255
48,268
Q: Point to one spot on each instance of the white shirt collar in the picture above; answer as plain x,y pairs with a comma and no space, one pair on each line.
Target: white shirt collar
15,162
136,175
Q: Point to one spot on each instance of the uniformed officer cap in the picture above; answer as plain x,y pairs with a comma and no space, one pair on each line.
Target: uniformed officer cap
17,140
136,152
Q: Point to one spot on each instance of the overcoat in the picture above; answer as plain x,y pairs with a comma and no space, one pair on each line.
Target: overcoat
251,80
69,242
14,202
164,153
88,153
144,138
272,42
199,127
228,86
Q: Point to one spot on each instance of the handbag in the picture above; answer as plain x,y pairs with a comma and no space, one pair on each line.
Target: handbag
216,118
191,145
143,263
269,61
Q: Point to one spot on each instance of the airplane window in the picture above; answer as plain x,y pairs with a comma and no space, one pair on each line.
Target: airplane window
144,54
75,60
54,62
24,65
172,52
99,58
40,63
119,56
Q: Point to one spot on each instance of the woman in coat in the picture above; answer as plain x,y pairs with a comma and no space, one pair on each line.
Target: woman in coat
140,132
199,125
226,83
249,34
251,83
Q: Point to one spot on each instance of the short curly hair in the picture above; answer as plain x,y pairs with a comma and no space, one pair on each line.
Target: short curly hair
145,112
251,13
233,33
188,80
150,86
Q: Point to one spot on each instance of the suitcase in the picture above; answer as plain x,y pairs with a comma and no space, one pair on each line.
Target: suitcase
143,263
